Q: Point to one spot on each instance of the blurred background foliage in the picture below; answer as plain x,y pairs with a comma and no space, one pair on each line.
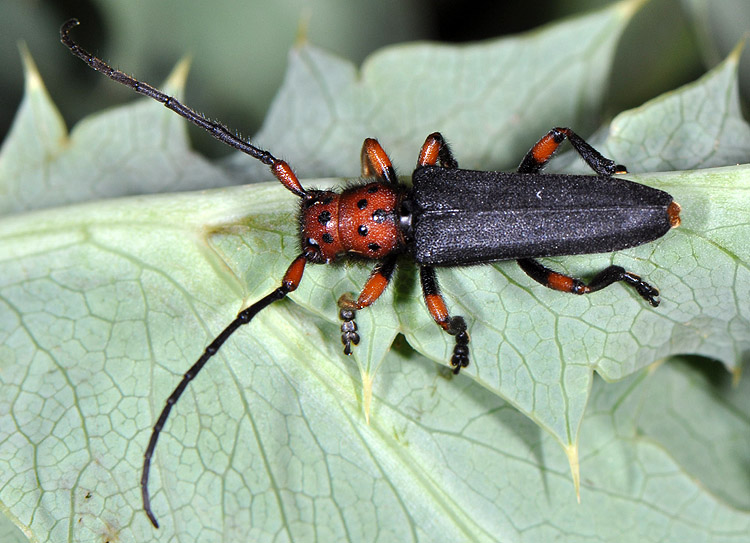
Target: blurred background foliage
238,48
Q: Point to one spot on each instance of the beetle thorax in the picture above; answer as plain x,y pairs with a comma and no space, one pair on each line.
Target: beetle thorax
361,220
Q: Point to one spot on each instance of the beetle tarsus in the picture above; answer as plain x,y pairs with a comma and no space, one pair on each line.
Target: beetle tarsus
647,292
460,358
613,274
349,335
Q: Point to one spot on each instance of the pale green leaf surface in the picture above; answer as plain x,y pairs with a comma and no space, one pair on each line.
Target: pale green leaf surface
105,305
271,443
97,329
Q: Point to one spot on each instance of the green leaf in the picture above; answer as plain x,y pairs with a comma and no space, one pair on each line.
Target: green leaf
97,329
104,305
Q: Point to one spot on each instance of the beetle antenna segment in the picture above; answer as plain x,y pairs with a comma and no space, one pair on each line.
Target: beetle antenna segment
244,317
279,168
290,282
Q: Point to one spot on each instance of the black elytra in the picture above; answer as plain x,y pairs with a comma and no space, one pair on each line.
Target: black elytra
448,217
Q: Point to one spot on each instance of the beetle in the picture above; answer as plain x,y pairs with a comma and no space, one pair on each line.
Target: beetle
447,217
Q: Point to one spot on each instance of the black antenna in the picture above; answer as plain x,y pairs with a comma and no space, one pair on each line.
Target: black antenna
243,317
217,130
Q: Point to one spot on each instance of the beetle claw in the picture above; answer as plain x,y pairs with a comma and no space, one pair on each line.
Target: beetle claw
646,291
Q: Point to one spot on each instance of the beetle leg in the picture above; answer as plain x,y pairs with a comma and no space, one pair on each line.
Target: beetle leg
434,150
542,151
348,306
604,278
455,326
375,162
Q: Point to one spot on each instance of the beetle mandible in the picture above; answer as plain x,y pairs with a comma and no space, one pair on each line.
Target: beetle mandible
448,217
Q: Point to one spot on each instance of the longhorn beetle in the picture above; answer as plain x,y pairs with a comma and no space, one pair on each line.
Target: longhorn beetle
448,217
